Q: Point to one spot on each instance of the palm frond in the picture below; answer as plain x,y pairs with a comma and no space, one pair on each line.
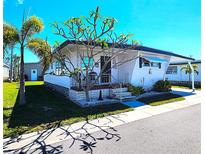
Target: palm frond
188,70
43,50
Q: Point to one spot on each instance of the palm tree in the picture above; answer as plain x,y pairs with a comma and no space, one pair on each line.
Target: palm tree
10,38
188,70
30,26
43,50
16,66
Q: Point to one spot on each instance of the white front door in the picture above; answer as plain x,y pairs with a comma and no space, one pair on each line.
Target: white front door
34,74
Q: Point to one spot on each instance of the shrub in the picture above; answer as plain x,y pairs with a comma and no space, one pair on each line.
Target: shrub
162,86
135,90
197,84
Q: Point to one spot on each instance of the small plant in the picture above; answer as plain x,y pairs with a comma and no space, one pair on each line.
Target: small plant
162,86
135,90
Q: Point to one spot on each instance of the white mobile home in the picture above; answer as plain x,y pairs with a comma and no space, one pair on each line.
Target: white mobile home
176,73
148,68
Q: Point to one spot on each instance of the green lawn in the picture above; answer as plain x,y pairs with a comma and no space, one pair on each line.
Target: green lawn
161,99
45,108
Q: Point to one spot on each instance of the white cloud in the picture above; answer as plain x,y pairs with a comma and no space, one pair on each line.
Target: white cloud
20,1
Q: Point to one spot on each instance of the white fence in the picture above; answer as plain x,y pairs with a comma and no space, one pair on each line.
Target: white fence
63,81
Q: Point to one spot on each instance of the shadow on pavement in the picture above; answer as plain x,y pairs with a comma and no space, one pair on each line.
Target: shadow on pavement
81,135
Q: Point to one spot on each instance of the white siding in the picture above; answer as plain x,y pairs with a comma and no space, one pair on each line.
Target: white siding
130,72
182,76
126,70
63,81
145,76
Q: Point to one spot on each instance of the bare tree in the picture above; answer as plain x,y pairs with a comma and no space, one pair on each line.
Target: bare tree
90,37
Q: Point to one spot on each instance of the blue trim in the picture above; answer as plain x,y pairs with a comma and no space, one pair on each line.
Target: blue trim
155,59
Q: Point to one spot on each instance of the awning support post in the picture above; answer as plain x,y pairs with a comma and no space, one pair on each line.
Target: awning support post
192,75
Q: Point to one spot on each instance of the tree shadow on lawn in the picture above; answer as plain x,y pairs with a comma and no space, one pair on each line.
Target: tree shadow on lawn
45,107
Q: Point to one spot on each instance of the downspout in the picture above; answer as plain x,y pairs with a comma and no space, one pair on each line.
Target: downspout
166,68
192,75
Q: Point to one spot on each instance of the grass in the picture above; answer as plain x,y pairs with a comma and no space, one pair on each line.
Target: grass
162,99
185,87
44,108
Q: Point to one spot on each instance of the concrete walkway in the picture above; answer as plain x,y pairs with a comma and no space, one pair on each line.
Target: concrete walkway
44,138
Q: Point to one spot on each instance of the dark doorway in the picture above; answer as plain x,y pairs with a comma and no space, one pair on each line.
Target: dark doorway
106,74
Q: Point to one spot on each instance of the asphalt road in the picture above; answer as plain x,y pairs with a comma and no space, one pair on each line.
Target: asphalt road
176,132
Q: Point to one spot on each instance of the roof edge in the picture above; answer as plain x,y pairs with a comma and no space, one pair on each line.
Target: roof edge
184,63
140,47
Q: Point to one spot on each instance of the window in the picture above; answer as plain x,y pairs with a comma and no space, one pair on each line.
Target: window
85,62
172,70
154,64
58,64
58,68
146,63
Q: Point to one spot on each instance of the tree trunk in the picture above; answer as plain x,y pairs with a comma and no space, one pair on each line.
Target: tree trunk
22,84
11,66
87,87
18,75
79,79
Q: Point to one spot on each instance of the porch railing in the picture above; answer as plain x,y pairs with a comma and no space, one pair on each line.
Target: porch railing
104,79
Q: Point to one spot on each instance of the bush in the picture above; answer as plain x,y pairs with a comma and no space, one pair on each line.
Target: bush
188,84
135,90
162,86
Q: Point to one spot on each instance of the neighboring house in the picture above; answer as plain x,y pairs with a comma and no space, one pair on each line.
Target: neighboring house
33,71
174,72
143,71
6,72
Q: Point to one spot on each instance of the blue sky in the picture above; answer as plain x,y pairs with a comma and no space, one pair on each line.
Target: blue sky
172,25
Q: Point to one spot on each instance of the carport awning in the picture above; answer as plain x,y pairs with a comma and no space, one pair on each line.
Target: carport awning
155,59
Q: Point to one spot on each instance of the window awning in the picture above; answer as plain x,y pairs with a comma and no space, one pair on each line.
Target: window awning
155,59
